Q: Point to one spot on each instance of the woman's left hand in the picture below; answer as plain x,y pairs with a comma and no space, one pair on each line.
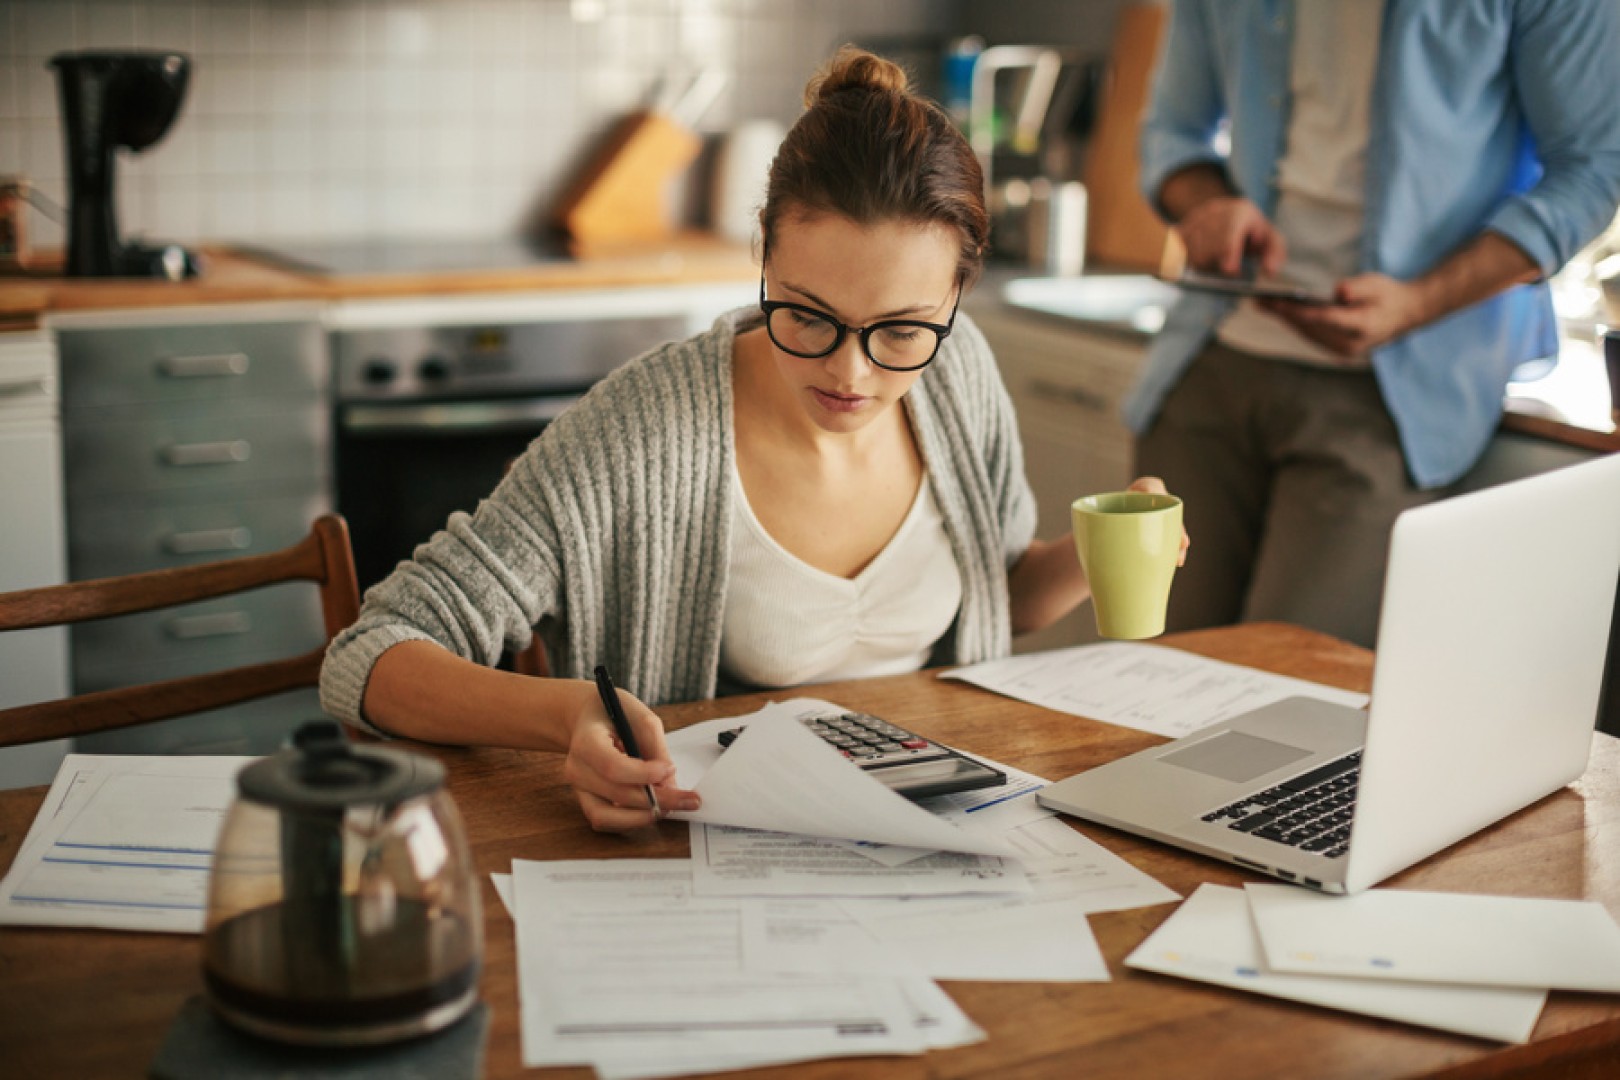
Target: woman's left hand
1156,486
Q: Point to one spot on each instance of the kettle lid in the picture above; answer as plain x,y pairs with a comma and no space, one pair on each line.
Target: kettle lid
324,771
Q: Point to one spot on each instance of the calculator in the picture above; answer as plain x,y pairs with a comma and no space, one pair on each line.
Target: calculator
908,763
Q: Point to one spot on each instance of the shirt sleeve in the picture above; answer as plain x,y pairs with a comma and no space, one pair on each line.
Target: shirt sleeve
1187,103
1565,64
478,586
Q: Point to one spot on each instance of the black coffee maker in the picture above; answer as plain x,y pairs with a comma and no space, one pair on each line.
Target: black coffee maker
112,100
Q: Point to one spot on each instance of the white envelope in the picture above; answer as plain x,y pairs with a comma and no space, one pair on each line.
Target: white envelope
1439,937
1210,939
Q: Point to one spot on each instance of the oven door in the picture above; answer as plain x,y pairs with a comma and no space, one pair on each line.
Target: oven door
403,468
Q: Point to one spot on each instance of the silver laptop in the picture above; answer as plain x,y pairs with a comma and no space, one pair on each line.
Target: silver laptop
1491,642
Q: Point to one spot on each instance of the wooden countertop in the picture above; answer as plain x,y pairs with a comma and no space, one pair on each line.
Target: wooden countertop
1561,431
231,276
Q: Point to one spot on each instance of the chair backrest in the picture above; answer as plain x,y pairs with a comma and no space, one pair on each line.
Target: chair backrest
324,557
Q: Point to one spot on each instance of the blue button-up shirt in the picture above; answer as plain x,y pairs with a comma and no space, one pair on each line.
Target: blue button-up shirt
1498,115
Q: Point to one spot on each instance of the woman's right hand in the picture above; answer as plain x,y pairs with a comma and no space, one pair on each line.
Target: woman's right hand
610,784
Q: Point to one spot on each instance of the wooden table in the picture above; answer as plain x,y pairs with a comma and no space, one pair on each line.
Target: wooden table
85,1003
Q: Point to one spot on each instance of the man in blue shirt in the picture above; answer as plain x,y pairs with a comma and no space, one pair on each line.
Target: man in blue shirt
1429,164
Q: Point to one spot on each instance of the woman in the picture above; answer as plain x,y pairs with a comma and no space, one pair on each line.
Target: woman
830,486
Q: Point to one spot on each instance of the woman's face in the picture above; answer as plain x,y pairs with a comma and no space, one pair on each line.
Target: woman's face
858,274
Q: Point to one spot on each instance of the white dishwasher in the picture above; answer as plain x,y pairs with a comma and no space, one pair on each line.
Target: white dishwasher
33,663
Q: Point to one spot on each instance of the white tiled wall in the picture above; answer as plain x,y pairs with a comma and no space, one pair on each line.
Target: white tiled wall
343,118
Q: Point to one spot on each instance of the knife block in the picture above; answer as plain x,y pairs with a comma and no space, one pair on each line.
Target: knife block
624,196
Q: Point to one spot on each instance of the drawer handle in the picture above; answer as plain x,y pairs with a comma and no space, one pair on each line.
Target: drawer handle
1068,395
28,384
204,541
223,624
203,367
224,452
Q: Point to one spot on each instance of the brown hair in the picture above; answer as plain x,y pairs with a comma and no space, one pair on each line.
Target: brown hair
869,149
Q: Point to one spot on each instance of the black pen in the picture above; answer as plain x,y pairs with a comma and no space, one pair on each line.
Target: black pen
621,727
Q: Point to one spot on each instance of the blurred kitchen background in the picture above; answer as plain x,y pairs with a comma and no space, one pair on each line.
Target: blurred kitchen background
337,119
378,327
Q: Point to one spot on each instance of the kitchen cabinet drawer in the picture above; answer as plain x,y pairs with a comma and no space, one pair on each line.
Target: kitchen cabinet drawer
112,537
268,624
126,451
211,362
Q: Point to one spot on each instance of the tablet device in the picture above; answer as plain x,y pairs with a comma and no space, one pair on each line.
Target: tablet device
1199,281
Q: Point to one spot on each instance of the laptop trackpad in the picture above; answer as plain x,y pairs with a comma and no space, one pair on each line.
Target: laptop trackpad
1235,756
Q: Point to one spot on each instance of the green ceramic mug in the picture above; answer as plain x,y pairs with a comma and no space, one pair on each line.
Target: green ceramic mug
1128,543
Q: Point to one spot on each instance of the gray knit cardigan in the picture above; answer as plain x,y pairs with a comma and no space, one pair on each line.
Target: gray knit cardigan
612,532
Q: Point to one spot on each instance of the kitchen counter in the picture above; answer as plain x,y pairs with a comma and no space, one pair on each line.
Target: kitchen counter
233,276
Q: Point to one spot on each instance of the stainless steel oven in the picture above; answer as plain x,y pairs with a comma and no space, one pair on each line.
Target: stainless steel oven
428,418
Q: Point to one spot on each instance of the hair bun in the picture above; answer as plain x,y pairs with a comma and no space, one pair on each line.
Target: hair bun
856,69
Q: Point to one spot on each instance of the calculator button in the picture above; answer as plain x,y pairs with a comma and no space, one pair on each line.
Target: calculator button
914,744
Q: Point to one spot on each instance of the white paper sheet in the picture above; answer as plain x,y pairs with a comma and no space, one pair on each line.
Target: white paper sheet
1211,939
1041,936
1439,937
780,776
994,810
1062,862
122,842
621,967
939,1022
1147,687
728,861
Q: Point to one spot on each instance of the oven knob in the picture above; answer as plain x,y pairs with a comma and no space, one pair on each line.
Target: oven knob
433,369
378,371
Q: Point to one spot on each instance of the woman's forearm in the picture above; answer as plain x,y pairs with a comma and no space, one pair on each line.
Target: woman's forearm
421,691
1046,584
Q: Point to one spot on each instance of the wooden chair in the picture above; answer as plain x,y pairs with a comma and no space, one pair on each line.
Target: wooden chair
324,557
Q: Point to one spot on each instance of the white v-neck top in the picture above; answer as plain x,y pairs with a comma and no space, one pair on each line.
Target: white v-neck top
787,623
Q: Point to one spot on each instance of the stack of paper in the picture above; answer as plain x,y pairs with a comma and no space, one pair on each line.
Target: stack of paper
1477,965
816,910
122,842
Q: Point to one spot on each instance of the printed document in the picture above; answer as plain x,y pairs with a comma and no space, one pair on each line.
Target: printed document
728,861
1210,939
620,966
122,842
1042,935
1152,688
1439,937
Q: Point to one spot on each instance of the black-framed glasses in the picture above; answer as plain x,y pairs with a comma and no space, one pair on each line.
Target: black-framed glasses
891,344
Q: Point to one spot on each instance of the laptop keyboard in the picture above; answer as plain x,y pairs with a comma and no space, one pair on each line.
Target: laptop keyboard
1311,812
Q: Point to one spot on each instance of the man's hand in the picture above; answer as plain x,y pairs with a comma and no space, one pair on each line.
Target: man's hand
1370,310
1221,232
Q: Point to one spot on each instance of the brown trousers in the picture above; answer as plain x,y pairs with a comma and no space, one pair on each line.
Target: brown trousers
1291,476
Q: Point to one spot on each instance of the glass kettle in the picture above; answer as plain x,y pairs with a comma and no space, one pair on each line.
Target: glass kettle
343,909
